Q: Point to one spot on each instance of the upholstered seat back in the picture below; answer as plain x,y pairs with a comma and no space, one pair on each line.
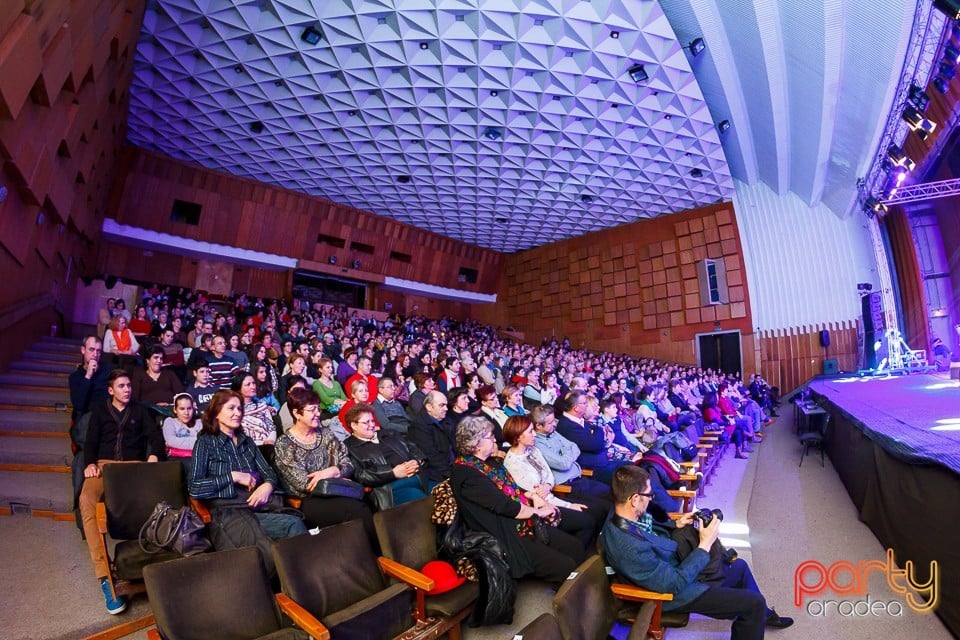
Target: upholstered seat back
224,595
334,575
132,489
588,589
544,627
406,533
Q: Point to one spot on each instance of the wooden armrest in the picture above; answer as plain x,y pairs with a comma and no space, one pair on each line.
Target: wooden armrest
405,574
676,515
292,501
586,473
690,477
681,493
636,594
302,618
153,634
102,518
690,466
561,489
200,508
712,432
710,439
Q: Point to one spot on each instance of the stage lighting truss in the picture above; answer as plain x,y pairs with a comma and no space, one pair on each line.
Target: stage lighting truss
917,122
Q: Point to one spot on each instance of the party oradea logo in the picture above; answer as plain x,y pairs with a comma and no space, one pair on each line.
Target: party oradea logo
813,582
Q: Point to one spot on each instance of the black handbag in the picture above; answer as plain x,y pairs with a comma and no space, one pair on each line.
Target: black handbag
338,488
178,530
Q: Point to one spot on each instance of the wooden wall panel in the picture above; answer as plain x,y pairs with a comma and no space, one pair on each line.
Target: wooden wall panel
629,289
243,213
790,358
63,106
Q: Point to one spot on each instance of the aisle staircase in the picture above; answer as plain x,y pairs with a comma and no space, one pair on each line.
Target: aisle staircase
35,450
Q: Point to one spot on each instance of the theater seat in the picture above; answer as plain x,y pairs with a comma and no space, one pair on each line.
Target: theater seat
223,596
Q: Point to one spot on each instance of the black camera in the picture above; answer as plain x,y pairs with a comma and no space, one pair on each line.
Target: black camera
706,516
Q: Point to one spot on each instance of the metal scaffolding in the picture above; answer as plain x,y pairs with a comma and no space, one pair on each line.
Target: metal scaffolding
928,191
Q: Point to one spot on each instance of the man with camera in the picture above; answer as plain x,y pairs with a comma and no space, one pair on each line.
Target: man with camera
703,580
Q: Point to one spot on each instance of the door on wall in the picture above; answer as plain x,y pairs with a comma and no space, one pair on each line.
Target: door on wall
720,351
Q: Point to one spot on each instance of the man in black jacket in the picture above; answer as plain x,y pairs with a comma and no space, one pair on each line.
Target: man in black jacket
119,431
429,435
384,460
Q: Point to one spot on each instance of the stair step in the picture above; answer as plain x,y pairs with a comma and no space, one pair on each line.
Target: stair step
72,349
51,340
35,451
40,490
34,379
48,356
28,423
58,368
32,400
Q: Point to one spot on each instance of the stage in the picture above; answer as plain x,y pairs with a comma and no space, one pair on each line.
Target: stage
895,443
915,417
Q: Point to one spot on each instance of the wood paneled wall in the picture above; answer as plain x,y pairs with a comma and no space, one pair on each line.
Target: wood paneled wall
629,289
791,357
244,213
134,263
65,70
410,304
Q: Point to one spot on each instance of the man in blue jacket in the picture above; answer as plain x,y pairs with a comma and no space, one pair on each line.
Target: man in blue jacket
644,553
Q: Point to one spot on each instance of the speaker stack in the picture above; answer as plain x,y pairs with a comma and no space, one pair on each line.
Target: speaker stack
873,327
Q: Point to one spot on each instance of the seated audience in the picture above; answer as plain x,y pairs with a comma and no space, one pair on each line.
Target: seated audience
264,394
429,435
235,353
155,386
222,368
423,384
230,472
561,455
490,501
645,553
364,368
384,460
119,431
308,453
359,393
119,342
513,401
532,473
590,439
491,411
331,394
390,414
201,390
180,431
257,420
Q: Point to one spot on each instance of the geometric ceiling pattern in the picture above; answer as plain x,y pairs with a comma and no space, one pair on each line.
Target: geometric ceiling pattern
391,110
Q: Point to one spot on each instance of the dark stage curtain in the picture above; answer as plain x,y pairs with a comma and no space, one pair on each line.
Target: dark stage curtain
913,303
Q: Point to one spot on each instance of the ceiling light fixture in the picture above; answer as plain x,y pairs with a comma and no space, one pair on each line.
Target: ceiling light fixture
900,159
615,35
941,84
491,133
875,206
586,198
424,46
403,178
312,34
724,126
637,73
918,98
696,172
696,46
917,123
256,126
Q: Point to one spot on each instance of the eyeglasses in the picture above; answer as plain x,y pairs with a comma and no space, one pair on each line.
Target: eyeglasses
645,495
367,423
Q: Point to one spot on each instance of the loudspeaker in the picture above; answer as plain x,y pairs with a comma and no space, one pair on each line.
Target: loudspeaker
831,366
869,353
825,338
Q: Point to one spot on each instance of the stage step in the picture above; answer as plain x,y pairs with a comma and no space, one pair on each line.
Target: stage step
35,451
52,340
55,357
35,379
58,368
38,490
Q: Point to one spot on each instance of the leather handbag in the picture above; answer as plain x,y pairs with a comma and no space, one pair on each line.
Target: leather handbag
178,530
338,488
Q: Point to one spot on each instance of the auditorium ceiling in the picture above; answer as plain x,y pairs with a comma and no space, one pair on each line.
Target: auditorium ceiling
513,123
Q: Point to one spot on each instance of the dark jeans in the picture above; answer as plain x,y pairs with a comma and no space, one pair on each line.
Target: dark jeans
555,561
737,597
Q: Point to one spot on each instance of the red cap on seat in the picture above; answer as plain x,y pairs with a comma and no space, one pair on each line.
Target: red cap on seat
444,576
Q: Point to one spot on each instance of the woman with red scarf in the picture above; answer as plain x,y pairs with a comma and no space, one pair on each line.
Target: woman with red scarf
490,501
119,341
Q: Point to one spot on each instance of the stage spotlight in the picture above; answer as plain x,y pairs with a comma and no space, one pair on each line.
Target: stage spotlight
312,34
951,54
918,98
917,122
948,70
724,126
491,133
637,73
875,205
941,84
696,46
899,159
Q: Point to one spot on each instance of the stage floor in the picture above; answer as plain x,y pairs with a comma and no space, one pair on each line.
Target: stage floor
915,417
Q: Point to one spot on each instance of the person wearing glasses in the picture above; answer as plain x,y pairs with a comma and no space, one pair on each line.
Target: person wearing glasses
645,553
491,501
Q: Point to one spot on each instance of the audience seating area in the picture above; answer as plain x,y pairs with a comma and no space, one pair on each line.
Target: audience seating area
336,583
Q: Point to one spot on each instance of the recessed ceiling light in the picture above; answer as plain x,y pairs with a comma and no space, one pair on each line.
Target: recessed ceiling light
494,93
696,172
256,126
424,45
638,73
615,35
312,34
403,178
501,219
352,112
